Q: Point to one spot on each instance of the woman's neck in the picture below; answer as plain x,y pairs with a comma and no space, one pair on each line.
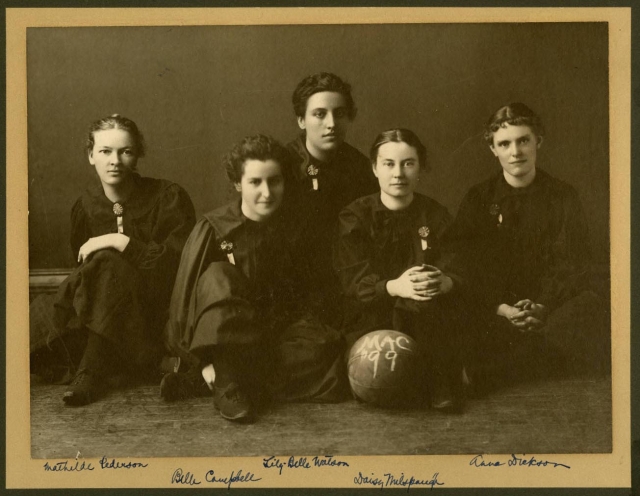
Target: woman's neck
118,193
321,155
396,202
520,182
251,215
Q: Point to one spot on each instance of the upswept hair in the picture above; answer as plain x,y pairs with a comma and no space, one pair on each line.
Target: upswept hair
400,135
257,147
316,83
515,114
116,121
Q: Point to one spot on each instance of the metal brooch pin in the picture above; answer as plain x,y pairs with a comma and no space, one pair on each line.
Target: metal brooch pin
118,210
312,170
227,247
423,232
494,210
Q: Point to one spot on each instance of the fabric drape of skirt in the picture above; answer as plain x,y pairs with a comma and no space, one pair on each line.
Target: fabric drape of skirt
298,357
112,298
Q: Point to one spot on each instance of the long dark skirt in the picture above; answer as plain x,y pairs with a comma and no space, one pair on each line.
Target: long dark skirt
110,297
297,357
575,340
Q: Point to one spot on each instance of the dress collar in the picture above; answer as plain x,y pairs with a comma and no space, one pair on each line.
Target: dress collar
144,195
228,219
503,189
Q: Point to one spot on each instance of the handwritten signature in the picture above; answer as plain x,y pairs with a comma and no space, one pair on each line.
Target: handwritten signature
302,462
189,479
68,467
233,478
115,464
79,466
515,461
392,480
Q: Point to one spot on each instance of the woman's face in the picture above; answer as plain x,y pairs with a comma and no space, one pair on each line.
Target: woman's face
516,148
325,121
397,168
114,156
261,188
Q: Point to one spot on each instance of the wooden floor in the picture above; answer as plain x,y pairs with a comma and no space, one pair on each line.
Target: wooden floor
560,416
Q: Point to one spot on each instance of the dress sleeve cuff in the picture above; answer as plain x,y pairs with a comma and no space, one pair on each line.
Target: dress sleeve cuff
134,251
381,288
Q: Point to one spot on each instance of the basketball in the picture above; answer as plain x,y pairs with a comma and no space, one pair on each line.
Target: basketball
382,367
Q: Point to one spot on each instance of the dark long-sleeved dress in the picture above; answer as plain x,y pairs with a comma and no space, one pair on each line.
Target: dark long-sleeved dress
339,182
124,296
377,245
237,286
527,243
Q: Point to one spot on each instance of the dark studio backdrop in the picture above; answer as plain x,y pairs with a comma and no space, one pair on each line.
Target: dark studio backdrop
195,91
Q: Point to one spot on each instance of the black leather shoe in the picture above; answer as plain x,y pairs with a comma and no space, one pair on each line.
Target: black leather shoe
84,389
233,403
448,398
183,385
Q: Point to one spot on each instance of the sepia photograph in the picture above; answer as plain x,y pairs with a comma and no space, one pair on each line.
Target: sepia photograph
336,250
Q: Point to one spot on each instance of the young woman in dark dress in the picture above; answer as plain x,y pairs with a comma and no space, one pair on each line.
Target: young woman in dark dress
127,236
523,241
236,317
328,174
390,260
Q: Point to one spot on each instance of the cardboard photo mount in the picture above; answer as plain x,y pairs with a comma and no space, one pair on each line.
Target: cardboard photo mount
587,470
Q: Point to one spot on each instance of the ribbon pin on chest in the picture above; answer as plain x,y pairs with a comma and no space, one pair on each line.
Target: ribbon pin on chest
118,211
423,232
312,170
227,247
494,210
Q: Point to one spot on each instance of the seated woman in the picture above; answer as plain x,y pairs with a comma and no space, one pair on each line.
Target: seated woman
234,312
387,258
328,174
127,235
522,239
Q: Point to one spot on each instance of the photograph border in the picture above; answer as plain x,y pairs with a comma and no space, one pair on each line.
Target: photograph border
597,470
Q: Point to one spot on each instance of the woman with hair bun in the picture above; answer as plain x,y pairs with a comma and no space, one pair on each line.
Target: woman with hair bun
127,235
522,241
391,263
328,174
235,317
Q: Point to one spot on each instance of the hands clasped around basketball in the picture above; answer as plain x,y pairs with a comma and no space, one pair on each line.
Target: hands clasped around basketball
420,283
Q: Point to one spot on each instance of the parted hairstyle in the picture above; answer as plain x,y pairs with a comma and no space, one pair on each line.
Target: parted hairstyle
116,121
257,147
317,83
400,135
515,114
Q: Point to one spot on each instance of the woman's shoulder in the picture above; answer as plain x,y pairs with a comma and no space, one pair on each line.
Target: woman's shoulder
155,187
429,203
483,191
152,193
350,157
557,186
361,211
364,204
225,219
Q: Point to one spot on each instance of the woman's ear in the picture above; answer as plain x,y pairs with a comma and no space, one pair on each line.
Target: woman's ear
301,123
90,154
373,168
539,141
238,187
493,150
